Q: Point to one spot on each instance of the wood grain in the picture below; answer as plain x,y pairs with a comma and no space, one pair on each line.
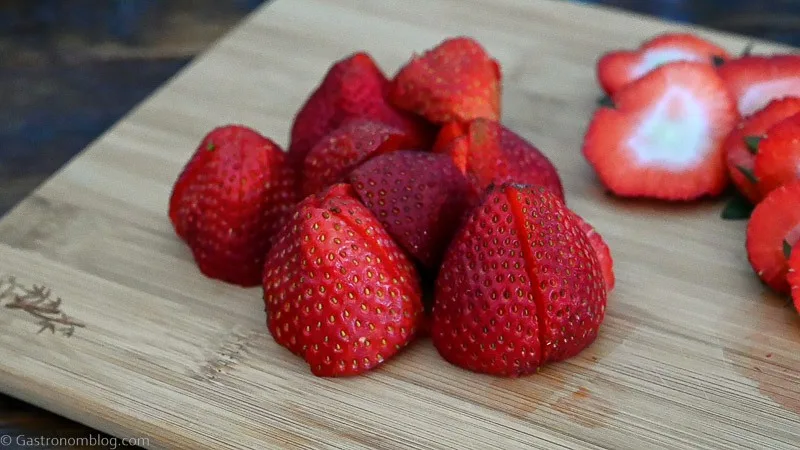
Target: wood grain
695,353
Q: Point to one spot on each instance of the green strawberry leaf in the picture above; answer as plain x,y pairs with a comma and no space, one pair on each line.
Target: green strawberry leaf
717,60
605,101
211,147
748,174
787,249
752,143
737,208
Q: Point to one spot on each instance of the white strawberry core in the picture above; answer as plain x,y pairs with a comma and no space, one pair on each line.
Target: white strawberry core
758,95
674,135
658,57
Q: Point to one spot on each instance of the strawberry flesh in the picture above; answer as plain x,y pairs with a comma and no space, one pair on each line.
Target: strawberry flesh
489,153
793,276
338,291
602,251
757,80
663,139
520,285
617,69
229,201
418,197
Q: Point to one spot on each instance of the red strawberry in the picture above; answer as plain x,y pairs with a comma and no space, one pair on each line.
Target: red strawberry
757,80
773,229
740,145
663,139
520,286
354,87
338,291
617,69
778,157
229,201
418,197
456,81
489,153
347,147
793,276
601,250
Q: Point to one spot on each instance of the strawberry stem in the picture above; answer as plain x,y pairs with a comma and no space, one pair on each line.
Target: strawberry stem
748,174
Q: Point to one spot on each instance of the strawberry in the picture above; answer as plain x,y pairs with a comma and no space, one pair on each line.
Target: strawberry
602,252
347,147
773,229
793,276
778,157
617,69
338,291
741,144
520,285
756,80
456,81
418,197
229,200
489,153
354,87
663,138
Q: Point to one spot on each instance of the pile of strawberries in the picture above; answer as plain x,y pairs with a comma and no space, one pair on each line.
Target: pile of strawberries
683,118
403,207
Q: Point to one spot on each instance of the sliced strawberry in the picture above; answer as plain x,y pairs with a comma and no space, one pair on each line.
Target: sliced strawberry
757,80
602,251
338,291
619,68
741,144
773,228
418,197
354,87
793,276
664,137
347,147
456,81
489,153
778,157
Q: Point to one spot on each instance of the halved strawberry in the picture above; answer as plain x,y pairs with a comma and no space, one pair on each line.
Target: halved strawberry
773,229
601,250
740,148
456,81
344,149
793,276
619,68
489,153
663,139
756,80
778,157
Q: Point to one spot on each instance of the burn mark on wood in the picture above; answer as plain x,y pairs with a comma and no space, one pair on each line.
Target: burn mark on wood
38,303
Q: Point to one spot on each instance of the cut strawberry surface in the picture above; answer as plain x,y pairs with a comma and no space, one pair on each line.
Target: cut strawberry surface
757,80
774,226
739,146
793,276
664,137
619,68
778,157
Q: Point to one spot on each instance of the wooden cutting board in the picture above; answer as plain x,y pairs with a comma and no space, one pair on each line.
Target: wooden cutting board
694,353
